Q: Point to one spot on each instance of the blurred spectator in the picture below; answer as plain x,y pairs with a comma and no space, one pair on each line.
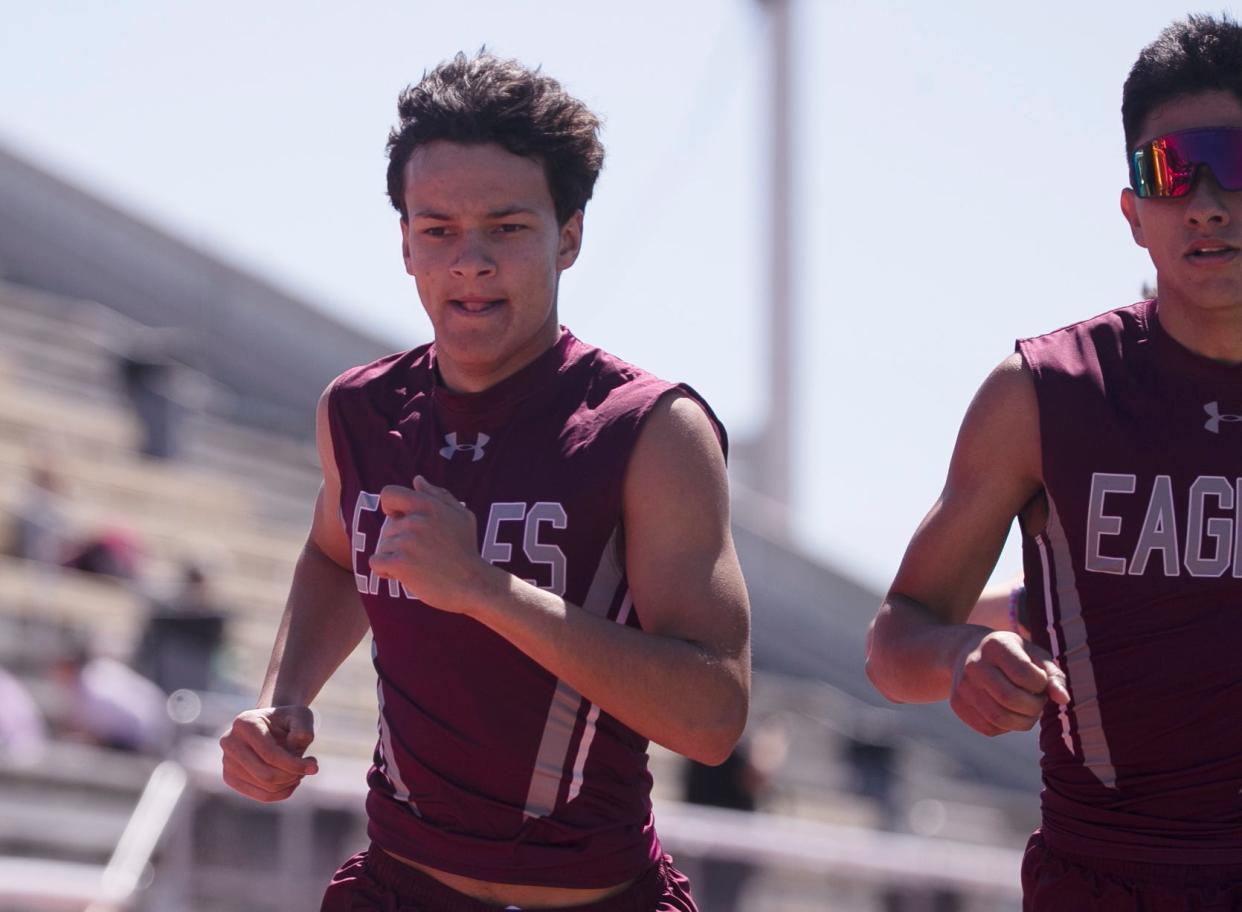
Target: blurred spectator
22,731
112,552
40,528
106,702
184,636
148,372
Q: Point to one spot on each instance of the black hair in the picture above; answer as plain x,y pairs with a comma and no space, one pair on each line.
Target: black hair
484,99
1201,53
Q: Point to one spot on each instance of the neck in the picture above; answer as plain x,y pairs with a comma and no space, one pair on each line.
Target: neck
462,375
1214,333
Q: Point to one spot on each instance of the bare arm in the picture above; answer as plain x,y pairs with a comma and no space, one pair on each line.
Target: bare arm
921,647
993,608
684,578
323,622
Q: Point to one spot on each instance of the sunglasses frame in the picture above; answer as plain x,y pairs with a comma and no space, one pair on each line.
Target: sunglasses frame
1178,184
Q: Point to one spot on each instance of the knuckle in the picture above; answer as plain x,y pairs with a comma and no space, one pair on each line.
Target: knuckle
992,715
998,716
982,726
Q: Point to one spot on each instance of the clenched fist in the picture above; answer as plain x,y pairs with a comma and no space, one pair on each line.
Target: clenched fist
1002,683
429,544
263,751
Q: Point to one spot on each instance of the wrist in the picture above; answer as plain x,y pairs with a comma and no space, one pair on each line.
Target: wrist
484,591
284,697
967,641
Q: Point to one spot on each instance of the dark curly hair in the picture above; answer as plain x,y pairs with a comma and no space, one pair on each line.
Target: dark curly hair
484,99
1199,54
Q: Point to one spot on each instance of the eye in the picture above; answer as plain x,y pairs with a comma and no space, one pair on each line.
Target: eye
510,227
436,231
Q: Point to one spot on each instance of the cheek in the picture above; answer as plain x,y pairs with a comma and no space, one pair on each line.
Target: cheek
423,260
425,292
1158,237
534,263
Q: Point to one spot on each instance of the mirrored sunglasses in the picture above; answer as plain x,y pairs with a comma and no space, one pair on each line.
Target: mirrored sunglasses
1166,166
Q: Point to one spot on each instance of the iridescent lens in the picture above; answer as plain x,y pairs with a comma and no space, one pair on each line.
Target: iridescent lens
1166,166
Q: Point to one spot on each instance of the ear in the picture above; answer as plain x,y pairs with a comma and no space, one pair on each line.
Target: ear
1129,208
570,242
405,246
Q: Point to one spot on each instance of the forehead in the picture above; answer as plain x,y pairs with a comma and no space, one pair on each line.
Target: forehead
1191,112
456,178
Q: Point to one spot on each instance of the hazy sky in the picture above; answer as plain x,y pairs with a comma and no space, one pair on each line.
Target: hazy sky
958,168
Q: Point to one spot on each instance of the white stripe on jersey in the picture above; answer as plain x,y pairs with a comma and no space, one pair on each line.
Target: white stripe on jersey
588,734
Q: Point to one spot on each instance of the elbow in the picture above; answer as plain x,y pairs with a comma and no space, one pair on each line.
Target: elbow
874,663
875,674
713,750
712,744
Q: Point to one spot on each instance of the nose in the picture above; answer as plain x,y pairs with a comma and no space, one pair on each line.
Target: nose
1207,204
473,259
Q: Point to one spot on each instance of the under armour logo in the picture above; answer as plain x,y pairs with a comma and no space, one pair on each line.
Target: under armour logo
454,447
1215,417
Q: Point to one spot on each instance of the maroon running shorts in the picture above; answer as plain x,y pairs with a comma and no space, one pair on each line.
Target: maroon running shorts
374,880
1060,882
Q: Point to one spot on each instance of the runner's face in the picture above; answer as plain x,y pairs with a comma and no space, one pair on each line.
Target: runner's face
1194,241
483,245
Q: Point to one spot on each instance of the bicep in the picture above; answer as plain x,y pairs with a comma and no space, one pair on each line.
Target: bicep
682,567
994,472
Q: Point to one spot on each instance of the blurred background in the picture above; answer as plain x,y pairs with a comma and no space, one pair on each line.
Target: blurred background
831,219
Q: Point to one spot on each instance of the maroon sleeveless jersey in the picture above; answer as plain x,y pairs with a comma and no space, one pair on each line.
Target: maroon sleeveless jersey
1135,586
487,765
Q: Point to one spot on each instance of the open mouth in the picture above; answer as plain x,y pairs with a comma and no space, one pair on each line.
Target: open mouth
1212,253
476,305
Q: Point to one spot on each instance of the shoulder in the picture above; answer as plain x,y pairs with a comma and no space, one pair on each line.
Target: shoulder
607,380
1001,429
390,370
1068,349
376,393
679,452
1008,392
357,392
681,422
617,388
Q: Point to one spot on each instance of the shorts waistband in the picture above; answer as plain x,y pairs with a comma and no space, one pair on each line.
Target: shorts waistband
1152,872
411,883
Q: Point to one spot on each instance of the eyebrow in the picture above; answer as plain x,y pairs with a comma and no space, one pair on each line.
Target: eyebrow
505,212
511,210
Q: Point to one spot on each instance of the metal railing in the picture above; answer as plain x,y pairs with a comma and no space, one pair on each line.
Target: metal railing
142,834
868,858
51,885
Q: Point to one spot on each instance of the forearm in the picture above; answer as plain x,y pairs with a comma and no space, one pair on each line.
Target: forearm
322,623
912,655
672,691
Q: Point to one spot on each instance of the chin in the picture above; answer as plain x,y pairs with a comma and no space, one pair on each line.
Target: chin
471,348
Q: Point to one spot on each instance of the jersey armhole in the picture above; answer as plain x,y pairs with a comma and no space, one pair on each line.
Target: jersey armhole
337,438
722,436
641,416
